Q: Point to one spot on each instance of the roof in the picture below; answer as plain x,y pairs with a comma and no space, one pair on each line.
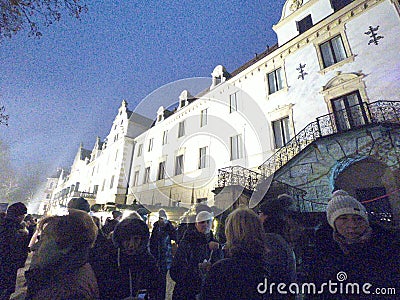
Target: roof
255,59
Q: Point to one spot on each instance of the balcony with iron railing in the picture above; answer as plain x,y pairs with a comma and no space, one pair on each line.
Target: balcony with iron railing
349,118
237,175
249,180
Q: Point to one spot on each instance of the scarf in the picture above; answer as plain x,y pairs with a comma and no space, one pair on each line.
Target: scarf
348,245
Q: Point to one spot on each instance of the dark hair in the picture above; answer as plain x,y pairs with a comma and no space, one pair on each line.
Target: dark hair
17,209
277,205
129,227
79,203
116,214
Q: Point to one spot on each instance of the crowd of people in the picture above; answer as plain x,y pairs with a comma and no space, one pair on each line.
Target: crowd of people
74,256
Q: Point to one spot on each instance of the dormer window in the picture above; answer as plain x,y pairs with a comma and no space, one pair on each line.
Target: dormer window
304,24
219,75
339,4
160,114
183,98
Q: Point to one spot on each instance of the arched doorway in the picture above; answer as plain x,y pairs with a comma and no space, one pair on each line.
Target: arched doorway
368,180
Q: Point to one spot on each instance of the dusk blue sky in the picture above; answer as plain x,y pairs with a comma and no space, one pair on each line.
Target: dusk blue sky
66,87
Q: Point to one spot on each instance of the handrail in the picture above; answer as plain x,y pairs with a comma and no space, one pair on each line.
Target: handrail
355,116
237,175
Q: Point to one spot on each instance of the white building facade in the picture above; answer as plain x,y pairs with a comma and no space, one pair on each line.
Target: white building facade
332,58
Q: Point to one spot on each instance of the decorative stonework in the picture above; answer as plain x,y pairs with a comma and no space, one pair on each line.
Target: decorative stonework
317,168
372,33
296,5
314,36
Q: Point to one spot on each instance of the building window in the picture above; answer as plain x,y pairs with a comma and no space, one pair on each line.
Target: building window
95,189
150,145
102,186
332,51
136,178
275,81
161,170
48,196
179,165
236,145
203,117
165,137
281,132
181,129
202,157
349,111
304,24
116,156
112,182
233,102
146,177
140,149
338,4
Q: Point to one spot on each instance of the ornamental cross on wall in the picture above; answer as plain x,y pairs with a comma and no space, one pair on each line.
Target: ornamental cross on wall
301,70
373,35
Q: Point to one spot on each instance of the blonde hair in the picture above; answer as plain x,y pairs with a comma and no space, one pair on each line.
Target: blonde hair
245,233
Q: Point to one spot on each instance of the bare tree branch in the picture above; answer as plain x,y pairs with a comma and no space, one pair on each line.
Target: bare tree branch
18,14
3,116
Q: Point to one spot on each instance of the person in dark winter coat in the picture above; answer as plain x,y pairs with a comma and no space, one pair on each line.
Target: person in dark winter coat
59,269
240,274
196,252
160,243
131,267
281,258
357,252
13,247
110,224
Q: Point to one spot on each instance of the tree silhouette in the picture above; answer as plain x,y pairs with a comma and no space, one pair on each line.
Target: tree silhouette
3,116
17,14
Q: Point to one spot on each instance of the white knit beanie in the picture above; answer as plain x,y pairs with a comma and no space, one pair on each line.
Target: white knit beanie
344,204
204,216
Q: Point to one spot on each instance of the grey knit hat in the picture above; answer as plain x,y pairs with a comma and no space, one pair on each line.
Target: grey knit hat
344,204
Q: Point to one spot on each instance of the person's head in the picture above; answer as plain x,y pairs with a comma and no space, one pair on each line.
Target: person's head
162,215
244,232
65,235
346,215
274,207
79,204
204,222
117,215
17,211
134,215
131,236
30,220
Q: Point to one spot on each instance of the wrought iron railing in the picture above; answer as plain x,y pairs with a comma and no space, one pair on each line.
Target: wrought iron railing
237,175
249,180
70,195
351,117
